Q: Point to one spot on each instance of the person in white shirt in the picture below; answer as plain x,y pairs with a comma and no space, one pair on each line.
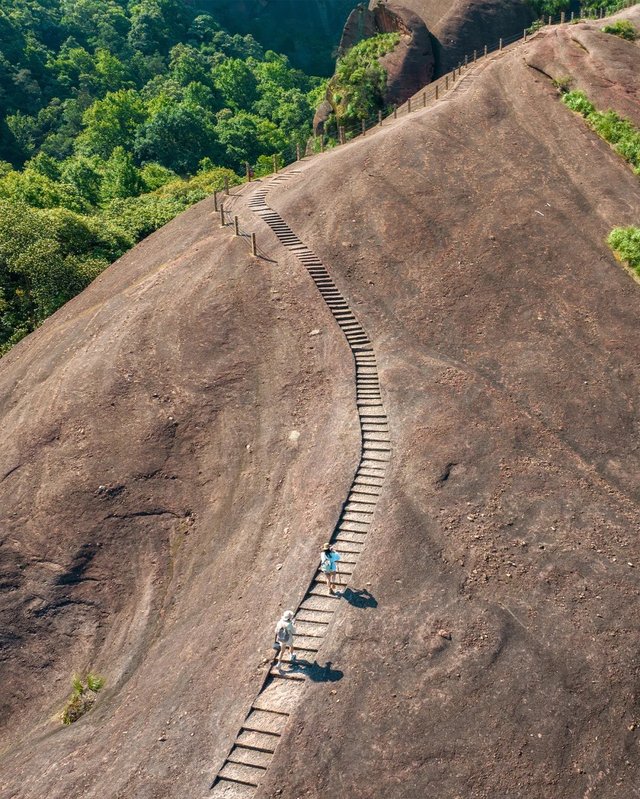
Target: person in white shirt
284,635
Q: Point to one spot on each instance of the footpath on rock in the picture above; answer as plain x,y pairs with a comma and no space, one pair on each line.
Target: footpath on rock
214,435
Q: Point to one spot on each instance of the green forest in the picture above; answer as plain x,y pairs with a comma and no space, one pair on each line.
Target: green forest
114,117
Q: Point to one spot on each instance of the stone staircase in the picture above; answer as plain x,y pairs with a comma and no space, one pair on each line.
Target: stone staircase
281,691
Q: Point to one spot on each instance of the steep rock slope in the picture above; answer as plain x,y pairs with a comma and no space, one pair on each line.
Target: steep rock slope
167,442
435,37
507,338
469,239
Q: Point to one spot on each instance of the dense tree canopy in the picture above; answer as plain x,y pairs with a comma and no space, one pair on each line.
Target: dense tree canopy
114,116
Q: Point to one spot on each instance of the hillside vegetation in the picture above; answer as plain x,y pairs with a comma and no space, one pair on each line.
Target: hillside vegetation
109,107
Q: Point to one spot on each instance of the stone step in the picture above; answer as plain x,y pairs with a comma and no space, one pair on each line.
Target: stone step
313,617
310,628
266,721
306,642
382,456
362,498
319,586
370,466
319,603
369,435
380,446
250,757
354,516
356,527
258,740
249,775
360,507
224,789
373,480
350,537
291,675
350,546
370,490
278,696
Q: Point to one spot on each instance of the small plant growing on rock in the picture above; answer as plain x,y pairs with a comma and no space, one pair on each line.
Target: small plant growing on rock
622,28
563,83
625,243
83,697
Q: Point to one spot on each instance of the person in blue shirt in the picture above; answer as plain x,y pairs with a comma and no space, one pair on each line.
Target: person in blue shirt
329,565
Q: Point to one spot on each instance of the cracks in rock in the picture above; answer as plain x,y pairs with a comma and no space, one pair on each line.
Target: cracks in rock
10,472
150,512
445,474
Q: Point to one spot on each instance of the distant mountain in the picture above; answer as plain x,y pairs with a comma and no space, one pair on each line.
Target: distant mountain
307,32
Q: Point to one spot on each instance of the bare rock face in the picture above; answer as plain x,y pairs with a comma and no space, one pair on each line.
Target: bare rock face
470,24
411,65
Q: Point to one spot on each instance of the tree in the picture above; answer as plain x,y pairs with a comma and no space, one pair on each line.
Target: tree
177,137
121,178
236,83
111,122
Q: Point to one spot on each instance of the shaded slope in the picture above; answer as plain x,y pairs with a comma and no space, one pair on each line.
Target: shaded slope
156,384
470,243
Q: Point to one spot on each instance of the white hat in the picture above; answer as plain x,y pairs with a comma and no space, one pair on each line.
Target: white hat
288,615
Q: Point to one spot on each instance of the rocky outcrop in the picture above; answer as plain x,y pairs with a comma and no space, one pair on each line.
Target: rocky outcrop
470,24
409,66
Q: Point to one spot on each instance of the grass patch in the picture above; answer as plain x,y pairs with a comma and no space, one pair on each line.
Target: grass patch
621,133
625,243
622,28
624,137
83,697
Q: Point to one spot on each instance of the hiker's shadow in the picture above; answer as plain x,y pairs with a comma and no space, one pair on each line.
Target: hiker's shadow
315,672
360,598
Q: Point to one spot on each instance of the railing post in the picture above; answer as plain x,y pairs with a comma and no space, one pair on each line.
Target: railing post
500,45
221,214
364,128
572,15
236,226
248,171
446,82
475,56
425,96
525,35
409,106
379,117
395,111
275,163
485,51
297,152
254,249
549,23
226,184
453,76
562,17
322,142
342,138
215,200
466,61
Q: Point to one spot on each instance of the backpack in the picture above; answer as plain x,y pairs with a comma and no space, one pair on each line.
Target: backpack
282,635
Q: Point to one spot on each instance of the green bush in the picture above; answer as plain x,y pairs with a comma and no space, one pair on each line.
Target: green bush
622,28
617,130
357,89
625,242
83,697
